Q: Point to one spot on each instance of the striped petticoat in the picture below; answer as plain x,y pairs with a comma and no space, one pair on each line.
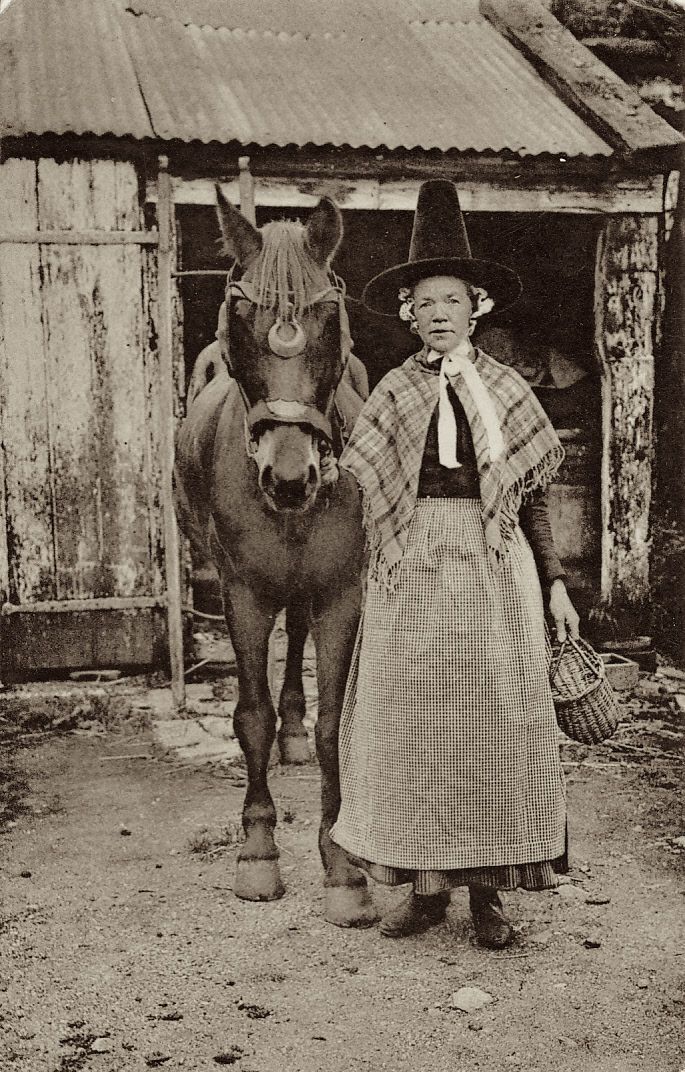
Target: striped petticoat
449,760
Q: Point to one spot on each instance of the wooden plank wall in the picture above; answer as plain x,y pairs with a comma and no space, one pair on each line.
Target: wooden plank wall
79,404
29,571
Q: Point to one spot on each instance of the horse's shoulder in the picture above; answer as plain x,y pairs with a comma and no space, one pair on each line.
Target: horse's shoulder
210,351
197,431
357,375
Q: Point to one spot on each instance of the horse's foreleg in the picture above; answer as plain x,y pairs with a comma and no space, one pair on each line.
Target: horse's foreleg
348,903
250,621
292,736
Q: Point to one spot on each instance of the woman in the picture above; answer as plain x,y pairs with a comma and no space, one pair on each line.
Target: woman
450,770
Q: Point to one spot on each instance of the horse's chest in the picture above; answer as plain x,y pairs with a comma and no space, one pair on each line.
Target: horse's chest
312,552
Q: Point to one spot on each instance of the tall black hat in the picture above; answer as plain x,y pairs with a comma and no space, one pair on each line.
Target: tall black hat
440,246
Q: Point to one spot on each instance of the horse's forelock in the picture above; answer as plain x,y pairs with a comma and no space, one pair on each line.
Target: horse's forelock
285,274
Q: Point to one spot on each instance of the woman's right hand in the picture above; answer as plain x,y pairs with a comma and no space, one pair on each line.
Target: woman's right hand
566,619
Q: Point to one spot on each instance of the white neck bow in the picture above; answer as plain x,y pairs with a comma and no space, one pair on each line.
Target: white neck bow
459,370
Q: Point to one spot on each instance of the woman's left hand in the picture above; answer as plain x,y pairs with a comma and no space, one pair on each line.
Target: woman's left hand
561,608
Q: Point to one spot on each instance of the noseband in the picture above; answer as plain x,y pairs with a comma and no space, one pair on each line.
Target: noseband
281,410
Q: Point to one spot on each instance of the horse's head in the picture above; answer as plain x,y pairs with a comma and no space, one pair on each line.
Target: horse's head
284,336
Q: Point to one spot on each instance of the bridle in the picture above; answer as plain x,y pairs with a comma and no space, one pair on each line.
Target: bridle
284,410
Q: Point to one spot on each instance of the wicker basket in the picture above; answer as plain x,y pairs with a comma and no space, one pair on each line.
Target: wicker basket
585,704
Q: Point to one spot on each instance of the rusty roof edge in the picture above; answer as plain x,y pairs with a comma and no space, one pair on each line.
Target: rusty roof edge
341,162
599,96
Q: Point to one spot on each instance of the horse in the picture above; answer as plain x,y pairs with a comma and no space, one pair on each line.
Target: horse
258,488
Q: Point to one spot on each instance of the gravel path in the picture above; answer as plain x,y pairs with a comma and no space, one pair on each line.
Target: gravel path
123,947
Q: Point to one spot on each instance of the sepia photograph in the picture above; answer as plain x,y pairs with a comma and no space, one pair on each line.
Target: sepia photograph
342,535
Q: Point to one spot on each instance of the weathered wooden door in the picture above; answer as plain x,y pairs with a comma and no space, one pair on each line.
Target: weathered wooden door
81,530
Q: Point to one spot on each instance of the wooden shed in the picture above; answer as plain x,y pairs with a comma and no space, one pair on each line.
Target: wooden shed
117,117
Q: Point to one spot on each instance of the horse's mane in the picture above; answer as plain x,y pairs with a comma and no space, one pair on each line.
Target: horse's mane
285,273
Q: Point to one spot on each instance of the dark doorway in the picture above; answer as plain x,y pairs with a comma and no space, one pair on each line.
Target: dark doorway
548,335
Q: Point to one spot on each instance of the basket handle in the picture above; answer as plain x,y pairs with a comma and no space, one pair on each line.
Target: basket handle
574,644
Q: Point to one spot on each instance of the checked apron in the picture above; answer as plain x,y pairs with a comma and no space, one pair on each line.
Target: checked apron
449,759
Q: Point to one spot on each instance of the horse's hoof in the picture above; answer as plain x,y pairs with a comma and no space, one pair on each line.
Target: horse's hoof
294,748
258,880
350,906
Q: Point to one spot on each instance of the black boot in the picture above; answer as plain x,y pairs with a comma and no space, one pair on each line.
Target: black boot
493,930
415,914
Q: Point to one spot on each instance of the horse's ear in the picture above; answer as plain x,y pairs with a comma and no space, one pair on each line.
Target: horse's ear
324,231
242,241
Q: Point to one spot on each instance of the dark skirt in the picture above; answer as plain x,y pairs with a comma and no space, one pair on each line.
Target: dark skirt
541,875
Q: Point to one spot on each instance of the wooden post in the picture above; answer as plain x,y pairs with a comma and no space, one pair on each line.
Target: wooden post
671,398
627,312
246,187
172,551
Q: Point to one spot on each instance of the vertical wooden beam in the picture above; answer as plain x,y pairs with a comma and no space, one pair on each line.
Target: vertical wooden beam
246,187
172,550
671,401
627,313
4,549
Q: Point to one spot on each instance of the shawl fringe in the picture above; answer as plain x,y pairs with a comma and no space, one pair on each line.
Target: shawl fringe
537,478
380,570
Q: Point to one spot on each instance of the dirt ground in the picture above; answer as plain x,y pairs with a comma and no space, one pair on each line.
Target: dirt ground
123,947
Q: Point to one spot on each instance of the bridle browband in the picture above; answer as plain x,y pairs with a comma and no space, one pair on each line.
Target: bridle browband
280,410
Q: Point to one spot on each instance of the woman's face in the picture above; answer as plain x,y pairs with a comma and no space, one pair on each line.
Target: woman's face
442,307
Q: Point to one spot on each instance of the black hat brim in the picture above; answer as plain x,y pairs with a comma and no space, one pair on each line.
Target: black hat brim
502,284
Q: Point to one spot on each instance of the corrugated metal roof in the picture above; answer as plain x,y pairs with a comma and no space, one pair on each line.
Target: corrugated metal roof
64,67
494,105
433,75
306,17
433,86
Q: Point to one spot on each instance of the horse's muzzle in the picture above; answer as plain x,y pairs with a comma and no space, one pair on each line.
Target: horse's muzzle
290,496
289,464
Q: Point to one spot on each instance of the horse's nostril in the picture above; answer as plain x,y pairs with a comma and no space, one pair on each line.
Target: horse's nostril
312,476
290,492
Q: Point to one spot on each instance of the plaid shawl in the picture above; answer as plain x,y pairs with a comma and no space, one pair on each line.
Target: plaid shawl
386,448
